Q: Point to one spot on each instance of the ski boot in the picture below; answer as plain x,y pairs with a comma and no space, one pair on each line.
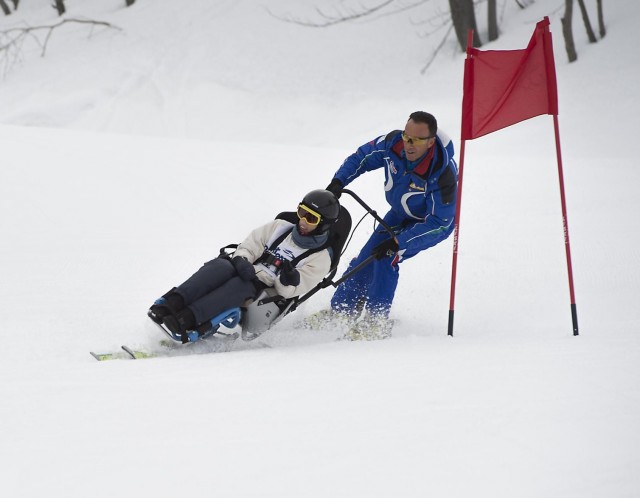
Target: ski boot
169,304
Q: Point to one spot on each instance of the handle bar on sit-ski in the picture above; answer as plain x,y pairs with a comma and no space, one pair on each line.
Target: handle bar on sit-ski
371,257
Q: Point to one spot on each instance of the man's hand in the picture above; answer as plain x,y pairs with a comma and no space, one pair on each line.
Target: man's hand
386,248
335,187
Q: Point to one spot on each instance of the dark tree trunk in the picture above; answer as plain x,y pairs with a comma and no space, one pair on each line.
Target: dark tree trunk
492,12
59,6
15,4
567,31
129,3
603,30
464,18
5,8
587,22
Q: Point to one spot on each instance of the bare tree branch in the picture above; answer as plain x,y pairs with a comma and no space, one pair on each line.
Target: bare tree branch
330,20
5,8
374,13
12,40
587,23
523,4
59,6
399,9
437,49
602,28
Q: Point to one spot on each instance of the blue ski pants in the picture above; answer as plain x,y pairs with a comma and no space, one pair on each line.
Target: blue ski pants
374,286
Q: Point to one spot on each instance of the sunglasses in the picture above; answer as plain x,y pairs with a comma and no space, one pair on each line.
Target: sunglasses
309,215
415,140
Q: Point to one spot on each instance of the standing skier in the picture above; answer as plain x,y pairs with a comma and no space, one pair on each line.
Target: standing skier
421,182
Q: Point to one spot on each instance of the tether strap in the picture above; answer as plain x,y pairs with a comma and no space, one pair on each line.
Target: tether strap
271,259
268,257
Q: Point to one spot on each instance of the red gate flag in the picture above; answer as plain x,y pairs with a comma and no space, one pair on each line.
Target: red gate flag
504,87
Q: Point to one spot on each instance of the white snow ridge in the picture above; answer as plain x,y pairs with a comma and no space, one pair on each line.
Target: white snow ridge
131,154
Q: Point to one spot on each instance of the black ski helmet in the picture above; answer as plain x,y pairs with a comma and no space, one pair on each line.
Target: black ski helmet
325,204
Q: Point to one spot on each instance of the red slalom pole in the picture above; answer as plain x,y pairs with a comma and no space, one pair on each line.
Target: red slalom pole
468,84
456,233
565,226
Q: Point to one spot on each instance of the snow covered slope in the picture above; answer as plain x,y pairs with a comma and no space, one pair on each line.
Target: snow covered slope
129,156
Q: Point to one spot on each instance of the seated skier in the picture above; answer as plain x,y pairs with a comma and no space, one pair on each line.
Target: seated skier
263,259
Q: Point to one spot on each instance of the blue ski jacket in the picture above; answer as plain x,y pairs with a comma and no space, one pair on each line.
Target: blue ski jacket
422,198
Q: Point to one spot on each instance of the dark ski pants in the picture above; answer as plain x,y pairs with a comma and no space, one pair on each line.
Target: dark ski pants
214,288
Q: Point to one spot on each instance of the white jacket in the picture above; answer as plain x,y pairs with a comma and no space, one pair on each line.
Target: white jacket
312,269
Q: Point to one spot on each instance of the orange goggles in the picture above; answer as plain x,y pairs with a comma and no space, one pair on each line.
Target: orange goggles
415,140
308,215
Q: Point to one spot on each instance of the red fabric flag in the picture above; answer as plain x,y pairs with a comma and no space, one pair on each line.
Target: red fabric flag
504,87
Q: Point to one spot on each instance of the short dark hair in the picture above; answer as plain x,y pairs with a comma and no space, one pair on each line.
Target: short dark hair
428,119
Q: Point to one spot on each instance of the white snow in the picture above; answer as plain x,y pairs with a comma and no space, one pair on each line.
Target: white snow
130,155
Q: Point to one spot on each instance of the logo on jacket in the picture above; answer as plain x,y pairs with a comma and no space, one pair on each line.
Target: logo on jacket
284,253
390,165
413,186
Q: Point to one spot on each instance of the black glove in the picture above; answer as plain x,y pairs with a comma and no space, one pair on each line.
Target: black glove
335,187
244,269
289,275
386,248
